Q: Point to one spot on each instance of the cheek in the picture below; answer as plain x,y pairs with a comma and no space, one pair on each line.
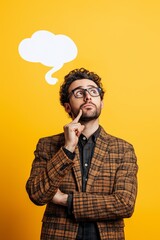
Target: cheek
98,103
76,104
74,107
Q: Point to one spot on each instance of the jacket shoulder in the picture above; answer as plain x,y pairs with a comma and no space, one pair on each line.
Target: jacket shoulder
56,137
54,140
115,142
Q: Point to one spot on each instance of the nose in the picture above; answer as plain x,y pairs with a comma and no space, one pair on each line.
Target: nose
87,96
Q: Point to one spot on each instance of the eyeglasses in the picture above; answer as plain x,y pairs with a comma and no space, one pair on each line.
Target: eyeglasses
81,92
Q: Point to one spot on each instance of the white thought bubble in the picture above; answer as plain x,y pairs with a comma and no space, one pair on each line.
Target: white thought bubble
48,49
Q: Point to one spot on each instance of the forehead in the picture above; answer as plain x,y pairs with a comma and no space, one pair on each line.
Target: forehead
84,83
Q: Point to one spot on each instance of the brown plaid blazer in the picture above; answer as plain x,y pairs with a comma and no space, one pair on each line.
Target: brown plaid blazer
110,193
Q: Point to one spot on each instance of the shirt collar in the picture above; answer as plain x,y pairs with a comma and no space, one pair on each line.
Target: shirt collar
94,136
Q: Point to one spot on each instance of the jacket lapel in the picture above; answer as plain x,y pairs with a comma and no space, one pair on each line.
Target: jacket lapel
100,153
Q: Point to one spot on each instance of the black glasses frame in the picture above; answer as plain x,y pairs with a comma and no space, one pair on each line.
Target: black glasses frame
84,91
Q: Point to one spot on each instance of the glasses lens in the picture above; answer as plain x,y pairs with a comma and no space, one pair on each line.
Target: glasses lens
94,92
80,92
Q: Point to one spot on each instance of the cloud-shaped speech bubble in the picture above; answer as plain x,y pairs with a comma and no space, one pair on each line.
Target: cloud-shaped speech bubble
48,49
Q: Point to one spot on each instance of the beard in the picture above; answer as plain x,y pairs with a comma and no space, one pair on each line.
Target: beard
87,114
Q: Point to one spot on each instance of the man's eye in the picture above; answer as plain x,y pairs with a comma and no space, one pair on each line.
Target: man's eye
93,91
79,93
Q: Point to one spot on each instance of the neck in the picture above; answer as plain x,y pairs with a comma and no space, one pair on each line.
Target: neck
90,127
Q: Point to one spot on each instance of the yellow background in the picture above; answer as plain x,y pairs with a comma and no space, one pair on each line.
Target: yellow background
120,40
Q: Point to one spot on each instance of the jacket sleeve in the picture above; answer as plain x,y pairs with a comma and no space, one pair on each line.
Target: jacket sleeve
90,206
47,173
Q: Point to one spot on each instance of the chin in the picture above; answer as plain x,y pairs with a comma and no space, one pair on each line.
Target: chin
88,118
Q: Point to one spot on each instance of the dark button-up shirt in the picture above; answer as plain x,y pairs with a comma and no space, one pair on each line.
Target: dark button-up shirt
86,230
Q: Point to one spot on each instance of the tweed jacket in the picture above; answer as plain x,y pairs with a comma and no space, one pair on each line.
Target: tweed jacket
110,192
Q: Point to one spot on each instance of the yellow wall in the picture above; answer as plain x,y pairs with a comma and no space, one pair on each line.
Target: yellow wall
120,40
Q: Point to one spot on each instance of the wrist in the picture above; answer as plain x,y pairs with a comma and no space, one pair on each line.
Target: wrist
69,148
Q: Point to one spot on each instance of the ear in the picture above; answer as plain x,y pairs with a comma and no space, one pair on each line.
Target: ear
67,107
102,104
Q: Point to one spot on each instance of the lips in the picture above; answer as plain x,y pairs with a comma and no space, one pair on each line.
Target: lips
87,105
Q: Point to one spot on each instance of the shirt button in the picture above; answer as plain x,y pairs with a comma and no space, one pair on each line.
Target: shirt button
84,138
86,179
86,165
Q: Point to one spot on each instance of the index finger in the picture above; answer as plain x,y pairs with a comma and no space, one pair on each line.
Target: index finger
78,117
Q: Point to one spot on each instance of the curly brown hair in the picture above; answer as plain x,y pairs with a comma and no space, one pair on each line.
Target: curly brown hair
77,74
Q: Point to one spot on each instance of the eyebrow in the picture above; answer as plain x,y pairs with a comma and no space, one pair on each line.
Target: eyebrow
86,86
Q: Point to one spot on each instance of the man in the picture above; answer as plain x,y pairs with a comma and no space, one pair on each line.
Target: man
86,177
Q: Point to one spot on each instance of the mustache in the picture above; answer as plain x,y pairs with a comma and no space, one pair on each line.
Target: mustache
87,103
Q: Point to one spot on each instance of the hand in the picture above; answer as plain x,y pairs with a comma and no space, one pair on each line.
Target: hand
72,131
60,198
